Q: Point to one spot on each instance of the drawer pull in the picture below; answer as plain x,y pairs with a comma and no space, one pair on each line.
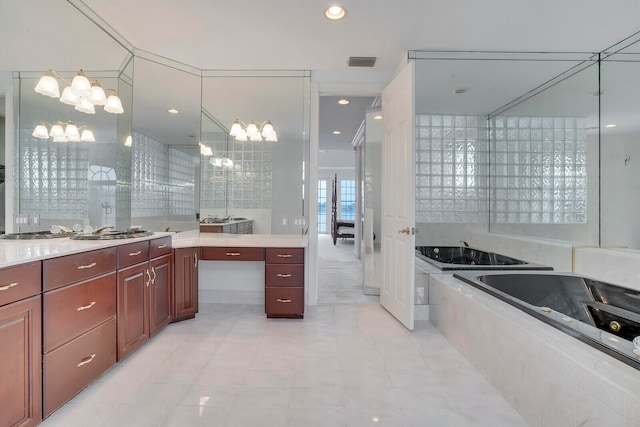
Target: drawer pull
233,253
86,360
148,277
84,267
135,253
195,260
283,300
9,286
162,246
86,307
153,270
283,275
284,255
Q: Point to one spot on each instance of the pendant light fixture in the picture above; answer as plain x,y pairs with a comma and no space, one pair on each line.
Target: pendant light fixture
253,131
83,94
63,132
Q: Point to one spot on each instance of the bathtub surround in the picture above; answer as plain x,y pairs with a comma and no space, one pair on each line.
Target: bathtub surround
551,379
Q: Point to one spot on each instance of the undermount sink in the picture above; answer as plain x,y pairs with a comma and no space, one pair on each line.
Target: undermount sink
111,235
35,235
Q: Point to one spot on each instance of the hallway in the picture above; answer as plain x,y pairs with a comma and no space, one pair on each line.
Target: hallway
340,273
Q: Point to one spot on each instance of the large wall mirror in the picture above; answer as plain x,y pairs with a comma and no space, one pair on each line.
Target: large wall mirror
507,143
64,181
261,178
620,136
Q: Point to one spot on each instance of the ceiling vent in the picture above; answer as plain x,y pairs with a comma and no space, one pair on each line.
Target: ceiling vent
362,61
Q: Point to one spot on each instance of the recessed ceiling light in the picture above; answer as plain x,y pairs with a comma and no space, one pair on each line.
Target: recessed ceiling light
610,125
335,12
343,101
336,132
460,91
377,117
173,111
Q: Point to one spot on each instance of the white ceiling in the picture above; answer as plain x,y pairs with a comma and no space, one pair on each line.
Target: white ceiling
294,35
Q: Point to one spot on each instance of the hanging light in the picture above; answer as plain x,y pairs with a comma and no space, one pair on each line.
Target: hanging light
98,97
87,136
83,94
128,141
61,132
253,131
48,85
205,150
113,104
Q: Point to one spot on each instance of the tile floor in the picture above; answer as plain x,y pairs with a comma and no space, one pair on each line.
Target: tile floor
345,364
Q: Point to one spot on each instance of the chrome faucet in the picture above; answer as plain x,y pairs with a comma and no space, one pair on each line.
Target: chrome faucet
101,229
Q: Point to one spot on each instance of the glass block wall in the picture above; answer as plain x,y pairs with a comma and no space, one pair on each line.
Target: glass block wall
246,184
53,178
162,180
451,168
539,170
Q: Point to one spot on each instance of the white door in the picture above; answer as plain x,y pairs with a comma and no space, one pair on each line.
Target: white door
398,197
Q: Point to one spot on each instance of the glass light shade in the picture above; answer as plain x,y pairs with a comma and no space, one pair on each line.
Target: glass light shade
205,150
273,137
41,132
113,105
242,136
69,97
98,97
216,161
81,85
227,162
255,137
236,128
48,86
56,131
267,128
84,105
72,133
252,130
128,141
87,136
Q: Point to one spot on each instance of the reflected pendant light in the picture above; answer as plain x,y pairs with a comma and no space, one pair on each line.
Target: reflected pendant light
48,85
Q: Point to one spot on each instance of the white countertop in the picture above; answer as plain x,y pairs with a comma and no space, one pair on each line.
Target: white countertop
13,252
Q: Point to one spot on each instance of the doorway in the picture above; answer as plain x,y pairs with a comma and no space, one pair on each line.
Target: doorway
341,188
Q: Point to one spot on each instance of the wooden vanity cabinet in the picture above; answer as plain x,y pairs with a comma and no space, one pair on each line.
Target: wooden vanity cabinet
185,283
284,282
79,323
145,292
20,352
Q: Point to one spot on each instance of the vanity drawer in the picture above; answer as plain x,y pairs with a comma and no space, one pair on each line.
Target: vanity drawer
284,302
284,275
73,310
133,253
159,247
19,282
73,268
70,368
232,254
285,255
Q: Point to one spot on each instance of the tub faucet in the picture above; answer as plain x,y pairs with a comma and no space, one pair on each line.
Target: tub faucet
464,243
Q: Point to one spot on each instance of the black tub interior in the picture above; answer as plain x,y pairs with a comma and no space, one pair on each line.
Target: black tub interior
608,307
463,255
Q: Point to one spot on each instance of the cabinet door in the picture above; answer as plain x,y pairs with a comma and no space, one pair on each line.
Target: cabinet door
160,293
133,308
186,283
20,369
